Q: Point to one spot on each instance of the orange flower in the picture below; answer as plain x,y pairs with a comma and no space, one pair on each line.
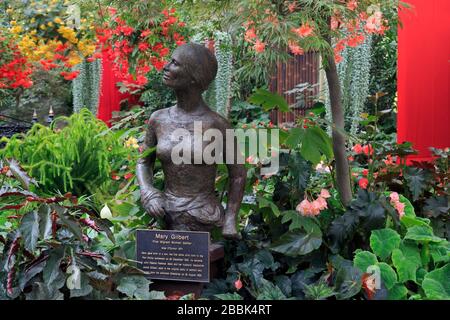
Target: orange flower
259,46
305,30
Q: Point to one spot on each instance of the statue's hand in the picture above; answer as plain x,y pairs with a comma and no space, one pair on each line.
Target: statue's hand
153,203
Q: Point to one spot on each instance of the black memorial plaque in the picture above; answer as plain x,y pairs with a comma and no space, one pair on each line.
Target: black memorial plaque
173,255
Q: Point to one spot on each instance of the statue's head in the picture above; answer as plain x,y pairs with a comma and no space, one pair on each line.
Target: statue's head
191,65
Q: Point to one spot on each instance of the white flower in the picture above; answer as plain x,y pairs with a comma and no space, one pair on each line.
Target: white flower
105,213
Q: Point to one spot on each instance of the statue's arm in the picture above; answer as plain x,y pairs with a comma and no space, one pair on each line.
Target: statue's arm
237,175
151,198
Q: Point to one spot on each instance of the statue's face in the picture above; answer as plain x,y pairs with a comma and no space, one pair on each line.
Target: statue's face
175,73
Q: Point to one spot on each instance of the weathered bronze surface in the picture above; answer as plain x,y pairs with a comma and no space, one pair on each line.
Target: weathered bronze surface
188,201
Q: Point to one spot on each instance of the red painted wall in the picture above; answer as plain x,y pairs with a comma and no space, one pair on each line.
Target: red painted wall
424,76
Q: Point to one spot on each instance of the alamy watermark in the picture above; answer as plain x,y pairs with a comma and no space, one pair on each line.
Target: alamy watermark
212,147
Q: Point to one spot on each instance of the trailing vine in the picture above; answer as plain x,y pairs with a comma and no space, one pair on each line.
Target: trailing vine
85,87
354,74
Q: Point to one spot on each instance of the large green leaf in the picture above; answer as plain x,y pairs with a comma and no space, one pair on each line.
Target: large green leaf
84,288
316,142
383,242
348,282
268,100
29,229
229,296
42,292
437,283
45,222
406,260
135,287
269,291
398,292
296,243
298,221
265,203
295,137
364,259
388,275
422,233
52,274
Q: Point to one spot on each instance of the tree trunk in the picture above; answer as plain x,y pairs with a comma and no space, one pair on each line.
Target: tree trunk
339,147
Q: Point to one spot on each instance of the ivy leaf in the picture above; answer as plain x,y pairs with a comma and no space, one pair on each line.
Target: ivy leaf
383,242
29,228
268,100
364,259
416,178
421,233
436,283
296,243
406,260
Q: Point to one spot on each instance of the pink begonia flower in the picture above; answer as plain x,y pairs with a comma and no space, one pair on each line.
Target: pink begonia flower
304,208
315,208
322,202
352,5
400,207
259,46
394,197
324,193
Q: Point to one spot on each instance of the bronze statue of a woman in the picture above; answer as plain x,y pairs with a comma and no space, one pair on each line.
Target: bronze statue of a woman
188,201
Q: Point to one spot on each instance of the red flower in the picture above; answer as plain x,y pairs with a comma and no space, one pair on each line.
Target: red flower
128,176
143,46
363,183
259,46
365,172
358,149
70,75
367,149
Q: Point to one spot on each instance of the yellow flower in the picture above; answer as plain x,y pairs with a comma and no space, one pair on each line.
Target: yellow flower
13,22
58,20
50,24
9,10
42,27
16,29
132,143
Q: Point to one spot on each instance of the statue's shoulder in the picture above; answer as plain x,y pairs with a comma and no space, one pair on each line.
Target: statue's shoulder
159,115
220,121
